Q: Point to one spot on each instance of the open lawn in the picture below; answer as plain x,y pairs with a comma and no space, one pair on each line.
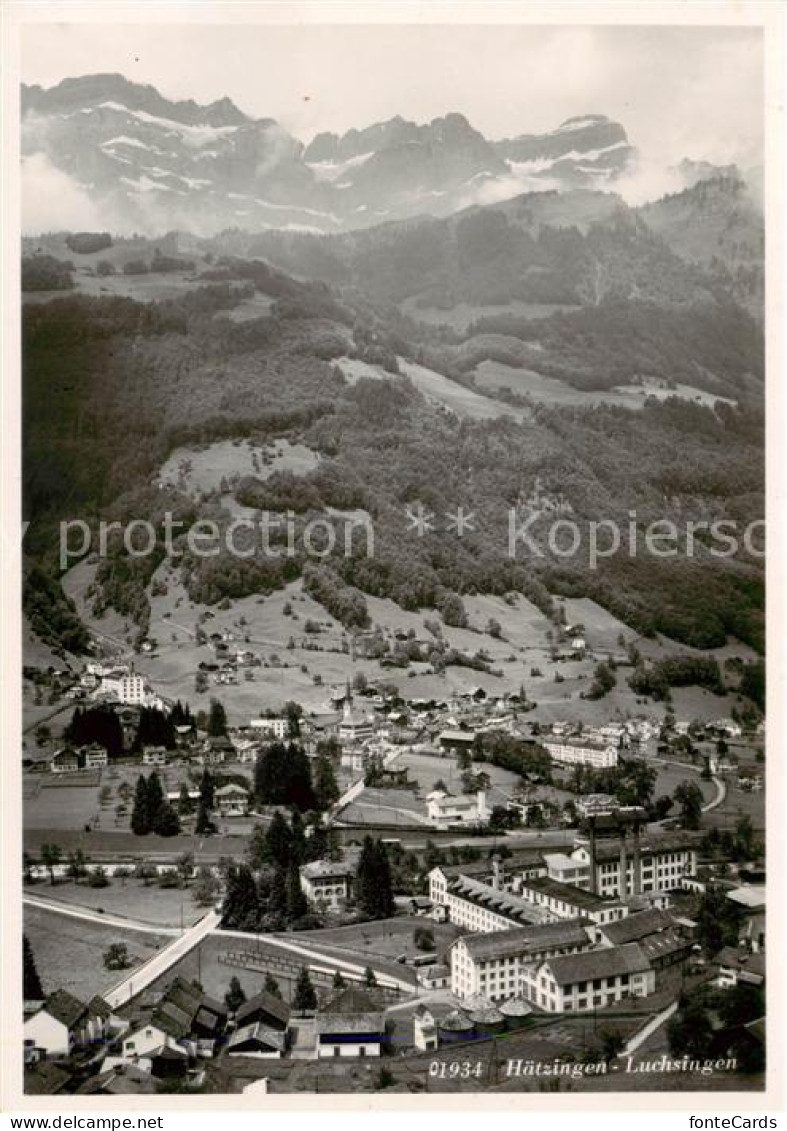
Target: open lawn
493,375
130,898
68,951
436,388
195,470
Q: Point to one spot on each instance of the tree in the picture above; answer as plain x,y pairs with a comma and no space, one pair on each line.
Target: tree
51,855
373,888
277,901
204,826
77,865
185,804
689,798
741,1003
690,1031
116,957
166,822
140,821
31,983
217,719
235,995
271,986
240,910
339,982
296,900
611,1045
278,840
326,791
206,887
186,866
305,999
369,977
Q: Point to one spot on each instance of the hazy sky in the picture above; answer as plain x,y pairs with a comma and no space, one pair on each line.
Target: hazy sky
678,91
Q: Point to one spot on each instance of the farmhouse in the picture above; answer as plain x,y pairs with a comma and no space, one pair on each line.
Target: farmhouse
350,1024
63,1023
154,756
232,800
491,965
256,1040
64,761
326,882
589,980
95,756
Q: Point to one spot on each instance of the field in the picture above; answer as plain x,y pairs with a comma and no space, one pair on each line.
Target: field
68,951
130,898
436,388
461,316
494,375
195,470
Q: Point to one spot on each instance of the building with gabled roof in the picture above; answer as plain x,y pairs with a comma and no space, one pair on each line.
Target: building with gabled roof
265,1009
590,979
257,1040
327,882
490,965
350,1024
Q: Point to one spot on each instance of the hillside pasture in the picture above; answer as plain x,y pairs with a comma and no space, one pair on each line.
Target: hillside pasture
198,470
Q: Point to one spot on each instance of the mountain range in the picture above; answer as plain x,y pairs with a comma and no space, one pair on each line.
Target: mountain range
150,164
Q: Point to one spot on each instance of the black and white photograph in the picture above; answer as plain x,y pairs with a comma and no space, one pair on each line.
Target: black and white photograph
392,480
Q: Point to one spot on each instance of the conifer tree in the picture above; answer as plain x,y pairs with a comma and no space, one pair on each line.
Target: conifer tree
296,900
140,823
305,999
31,983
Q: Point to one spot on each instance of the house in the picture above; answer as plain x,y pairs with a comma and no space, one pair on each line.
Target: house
257,1040
95,756
327,882
589,980
350,1024
750,778
739,966
424,1029
264,1009
232,800
444,809
122,1080
491,965
217,750
752,935
64,761
154,756
596,804
44,1078
434,977
60,1025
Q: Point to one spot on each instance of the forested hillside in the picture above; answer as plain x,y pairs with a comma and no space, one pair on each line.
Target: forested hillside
113,385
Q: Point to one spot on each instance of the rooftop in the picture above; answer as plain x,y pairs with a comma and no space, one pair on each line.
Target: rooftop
525,940
570,968
636,927
574,896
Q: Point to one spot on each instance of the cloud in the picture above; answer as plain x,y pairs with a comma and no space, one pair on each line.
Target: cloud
54,201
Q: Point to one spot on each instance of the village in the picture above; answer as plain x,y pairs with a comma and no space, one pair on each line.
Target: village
428,883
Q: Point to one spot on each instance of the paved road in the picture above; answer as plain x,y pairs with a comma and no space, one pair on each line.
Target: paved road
159,963
720,798
105,920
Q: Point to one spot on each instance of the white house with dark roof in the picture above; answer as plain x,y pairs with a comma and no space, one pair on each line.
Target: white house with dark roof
350,1024
443,808
589,980
326,882
232,800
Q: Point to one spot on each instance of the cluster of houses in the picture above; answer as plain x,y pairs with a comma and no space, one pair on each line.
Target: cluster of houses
142,1048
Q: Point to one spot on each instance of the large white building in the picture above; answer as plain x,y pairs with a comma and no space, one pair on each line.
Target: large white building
491,965
124,685
581,752
274,727
589,980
